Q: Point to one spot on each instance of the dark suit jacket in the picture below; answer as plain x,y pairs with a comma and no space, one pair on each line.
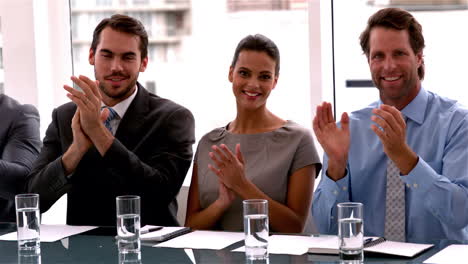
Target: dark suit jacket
20,144
149,157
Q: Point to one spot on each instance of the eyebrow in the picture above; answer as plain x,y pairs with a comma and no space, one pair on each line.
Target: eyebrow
262,72
129,53
401,50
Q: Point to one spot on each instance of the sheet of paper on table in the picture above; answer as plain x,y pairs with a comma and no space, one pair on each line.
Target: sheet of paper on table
52,233
377,245
203,240
296,245
449,255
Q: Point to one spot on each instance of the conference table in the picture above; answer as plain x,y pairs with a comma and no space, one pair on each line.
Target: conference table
99,246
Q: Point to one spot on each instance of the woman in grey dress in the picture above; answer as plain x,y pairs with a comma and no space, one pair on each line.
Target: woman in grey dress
257,155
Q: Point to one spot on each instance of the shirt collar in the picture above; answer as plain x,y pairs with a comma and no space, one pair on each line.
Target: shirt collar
416,109
122,106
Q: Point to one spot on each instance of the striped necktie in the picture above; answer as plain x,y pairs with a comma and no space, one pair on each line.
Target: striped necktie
112,115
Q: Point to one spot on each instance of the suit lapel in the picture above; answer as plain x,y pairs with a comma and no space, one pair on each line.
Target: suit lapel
134,118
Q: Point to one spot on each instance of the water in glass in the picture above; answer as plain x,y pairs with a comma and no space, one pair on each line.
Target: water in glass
256,236
28,229
128,232
29,258
351,236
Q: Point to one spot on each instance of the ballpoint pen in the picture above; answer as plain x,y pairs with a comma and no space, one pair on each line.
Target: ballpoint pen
367,240
152,229
370,242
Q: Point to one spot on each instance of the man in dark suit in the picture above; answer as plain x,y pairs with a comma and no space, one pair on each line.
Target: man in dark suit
144,147
20,144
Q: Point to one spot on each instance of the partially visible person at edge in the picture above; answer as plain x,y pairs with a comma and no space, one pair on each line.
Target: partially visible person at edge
430,149
20,144
146,149
257,155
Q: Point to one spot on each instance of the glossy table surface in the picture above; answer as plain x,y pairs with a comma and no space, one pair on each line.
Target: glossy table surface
99,246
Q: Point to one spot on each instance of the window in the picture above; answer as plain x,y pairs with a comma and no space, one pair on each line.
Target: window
421,4
173,22
444,64
140,2
103,2
151,87
249,5
157,53
1,58
191,47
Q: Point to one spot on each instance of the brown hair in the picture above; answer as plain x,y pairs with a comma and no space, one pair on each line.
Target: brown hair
122,23
399,19
258,42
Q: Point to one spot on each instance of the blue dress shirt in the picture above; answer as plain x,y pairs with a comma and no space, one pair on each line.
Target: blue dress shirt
436,189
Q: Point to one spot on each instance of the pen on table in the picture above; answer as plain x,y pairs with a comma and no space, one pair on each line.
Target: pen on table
367,240
152,229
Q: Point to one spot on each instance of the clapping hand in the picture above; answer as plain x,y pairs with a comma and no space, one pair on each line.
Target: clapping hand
88,102
390,127
226,195
335,141
228,167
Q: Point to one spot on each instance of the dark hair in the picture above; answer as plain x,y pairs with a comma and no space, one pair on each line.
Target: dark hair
258,42
399,19
122,23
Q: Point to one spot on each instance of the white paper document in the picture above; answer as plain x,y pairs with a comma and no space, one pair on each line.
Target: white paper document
51,233
203,240
383,247
399,248
190,255
449,255
296,245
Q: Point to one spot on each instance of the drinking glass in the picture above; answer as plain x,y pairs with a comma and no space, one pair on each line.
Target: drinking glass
128,223
256,228
129,258
351,231
28,223
29,258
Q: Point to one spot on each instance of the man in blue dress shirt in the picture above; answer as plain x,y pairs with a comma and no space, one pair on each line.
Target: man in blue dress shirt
425,135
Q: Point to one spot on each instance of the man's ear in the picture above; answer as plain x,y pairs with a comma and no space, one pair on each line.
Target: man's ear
419,58
144,64
91,56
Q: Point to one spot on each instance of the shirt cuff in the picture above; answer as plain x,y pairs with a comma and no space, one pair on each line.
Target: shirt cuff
421,177
338,189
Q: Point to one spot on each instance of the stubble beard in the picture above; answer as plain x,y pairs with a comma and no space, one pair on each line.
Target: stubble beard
121,95
403,92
